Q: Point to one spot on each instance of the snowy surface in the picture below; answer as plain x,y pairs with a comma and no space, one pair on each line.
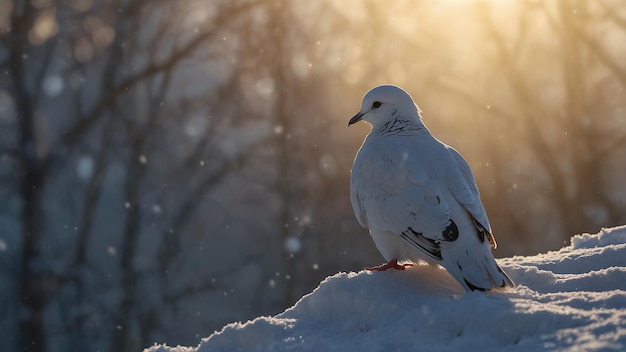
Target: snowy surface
570,300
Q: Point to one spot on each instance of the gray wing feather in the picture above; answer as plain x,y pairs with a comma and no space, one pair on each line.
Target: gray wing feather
463,187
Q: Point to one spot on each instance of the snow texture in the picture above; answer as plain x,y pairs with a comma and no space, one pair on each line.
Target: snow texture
573,299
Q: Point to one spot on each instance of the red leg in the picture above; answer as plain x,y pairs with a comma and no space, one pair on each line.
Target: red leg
392,264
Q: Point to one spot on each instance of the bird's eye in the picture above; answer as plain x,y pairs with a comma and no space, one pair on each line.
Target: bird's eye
376,104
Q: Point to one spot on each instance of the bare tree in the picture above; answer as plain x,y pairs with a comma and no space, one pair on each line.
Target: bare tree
122,50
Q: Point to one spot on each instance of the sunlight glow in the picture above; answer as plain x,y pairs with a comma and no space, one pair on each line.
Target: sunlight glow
45,27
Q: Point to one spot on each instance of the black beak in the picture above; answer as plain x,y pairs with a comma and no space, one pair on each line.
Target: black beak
355,119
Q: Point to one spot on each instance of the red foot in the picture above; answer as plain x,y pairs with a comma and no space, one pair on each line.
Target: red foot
392,264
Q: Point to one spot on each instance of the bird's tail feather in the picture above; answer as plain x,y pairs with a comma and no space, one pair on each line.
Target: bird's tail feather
476,272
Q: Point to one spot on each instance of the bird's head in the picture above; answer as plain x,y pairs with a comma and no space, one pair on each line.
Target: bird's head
384,103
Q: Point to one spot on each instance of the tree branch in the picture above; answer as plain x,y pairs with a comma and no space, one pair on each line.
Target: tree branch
77,131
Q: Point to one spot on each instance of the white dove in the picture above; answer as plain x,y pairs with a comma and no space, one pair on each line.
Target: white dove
418,196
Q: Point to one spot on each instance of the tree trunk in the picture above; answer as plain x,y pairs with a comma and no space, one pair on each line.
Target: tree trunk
32,175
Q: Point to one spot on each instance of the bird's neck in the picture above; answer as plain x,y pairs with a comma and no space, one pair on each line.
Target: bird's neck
401,126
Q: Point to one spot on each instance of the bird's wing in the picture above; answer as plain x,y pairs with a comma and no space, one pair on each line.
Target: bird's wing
395,190
460,180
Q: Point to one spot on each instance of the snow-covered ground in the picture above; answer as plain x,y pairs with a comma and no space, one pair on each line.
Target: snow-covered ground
573,299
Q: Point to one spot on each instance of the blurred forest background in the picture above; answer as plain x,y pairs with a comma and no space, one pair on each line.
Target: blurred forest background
167,167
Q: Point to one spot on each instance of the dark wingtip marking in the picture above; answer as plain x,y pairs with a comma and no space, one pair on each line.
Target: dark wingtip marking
430,247
483,232
474,288
451,233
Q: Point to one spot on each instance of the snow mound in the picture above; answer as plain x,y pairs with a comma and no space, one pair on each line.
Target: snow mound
569,300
